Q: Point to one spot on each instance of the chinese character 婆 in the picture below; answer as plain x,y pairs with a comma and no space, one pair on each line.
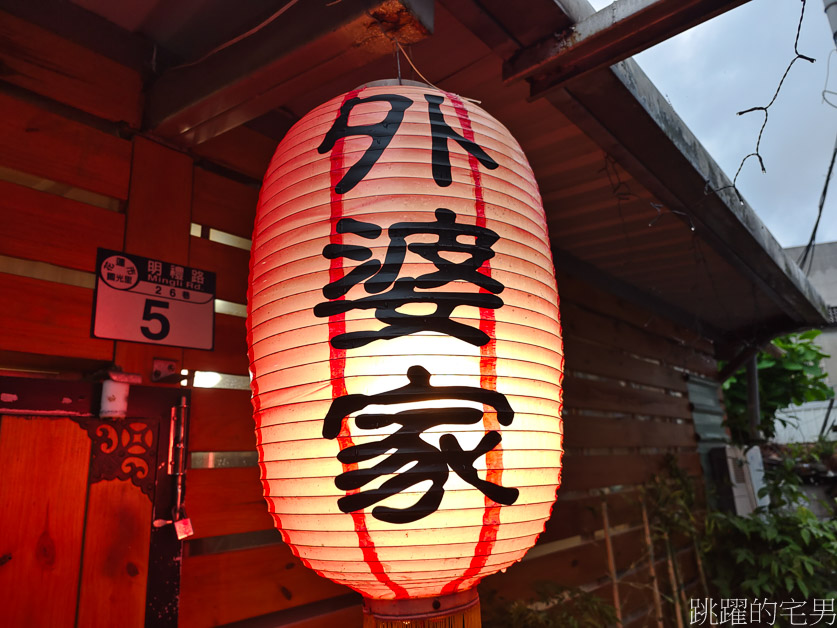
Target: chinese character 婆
391,292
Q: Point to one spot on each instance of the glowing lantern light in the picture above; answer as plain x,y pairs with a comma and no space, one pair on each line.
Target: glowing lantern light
405,348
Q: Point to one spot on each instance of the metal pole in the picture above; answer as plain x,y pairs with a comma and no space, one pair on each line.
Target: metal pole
753,405
827,414
831,12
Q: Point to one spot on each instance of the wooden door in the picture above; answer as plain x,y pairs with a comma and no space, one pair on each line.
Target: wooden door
77,495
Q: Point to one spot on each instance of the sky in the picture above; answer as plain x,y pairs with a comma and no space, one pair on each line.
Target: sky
734,62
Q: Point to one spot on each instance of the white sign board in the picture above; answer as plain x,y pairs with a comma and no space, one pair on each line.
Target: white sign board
151,301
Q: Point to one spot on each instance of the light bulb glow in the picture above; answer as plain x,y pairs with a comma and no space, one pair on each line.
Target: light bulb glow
206,379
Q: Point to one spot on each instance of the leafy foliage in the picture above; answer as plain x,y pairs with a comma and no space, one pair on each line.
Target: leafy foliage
672,504
783,551
554,606
671,500
793,378
782,485
780,554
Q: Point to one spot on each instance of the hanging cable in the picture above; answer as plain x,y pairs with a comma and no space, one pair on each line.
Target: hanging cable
808,253
239,38
807,256
423,78
622,192
397,59
764,109
825,91
413,65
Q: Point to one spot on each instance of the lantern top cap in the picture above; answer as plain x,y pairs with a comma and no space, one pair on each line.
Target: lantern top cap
393,82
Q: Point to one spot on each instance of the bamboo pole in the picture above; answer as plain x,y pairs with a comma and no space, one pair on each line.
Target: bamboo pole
675,588
611,563
701,573
658,603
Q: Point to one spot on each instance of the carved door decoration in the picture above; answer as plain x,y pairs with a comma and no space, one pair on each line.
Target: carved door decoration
122,450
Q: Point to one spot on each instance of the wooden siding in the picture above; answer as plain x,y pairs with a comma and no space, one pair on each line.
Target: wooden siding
625,410
39,142
625,400
42,519
40,61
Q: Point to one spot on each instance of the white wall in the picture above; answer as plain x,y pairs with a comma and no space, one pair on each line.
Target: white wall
823,276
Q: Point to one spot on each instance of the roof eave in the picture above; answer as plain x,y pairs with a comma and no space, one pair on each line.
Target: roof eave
625,113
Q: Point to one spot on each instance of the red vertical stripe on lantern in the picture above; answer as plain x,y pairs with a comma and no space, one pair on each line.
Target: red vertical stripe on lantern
488,379
337,361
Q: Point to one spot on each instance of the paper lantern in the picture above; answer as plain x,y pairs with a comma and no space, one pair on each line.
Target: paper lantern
405,346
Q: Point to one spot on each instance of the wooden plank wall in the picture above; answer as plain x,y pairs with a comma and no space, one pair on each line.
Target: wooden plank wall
43,508
142,197
236,566
66,189
626,405
625,410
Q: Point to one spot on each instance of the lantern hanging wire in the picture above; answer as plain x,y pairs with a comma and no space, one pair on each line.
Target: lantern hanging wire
422,76
396,53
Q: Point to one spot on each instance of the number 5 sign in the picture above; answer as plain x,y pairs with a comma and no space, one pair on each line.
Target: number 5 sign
147,300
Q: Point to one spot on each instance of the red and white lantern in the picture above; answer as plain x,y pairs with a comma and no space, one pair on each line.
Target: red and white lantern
405,345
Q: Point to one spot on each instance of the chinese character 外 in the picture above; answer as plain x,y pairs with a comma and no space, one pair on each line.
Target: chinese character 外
381,134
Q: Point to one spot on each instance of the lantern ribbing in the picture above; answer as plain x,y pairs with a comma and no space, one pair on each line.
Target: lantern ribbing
405,344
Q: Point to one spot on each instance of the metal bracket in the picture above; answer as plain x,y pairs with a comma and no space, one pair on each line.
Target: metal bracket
176,466
164,370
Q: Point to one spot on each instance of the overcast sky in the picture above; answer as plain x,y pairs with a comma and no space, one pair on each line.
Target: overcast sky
735,62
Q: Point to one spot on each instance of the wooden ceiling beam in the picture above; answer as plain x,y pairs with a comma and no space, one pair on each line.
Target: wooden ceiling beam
195,102
73,23
568,263
618,31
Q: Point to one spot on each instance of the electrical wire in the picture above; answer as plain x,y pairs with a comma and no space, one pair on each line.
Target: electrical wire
808,253
397,59
622,192
825,90
239,38
423,78
764,109
809,248
413,65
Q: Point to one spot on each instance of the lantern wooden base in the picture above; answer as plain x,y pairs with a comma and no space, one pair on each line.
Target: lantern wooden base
460,610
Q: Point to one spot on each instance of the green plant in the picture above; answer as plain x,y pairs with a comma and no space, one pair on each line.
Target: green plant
782,483
823,450
780,552
670,501
553,606
792,376
777,554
